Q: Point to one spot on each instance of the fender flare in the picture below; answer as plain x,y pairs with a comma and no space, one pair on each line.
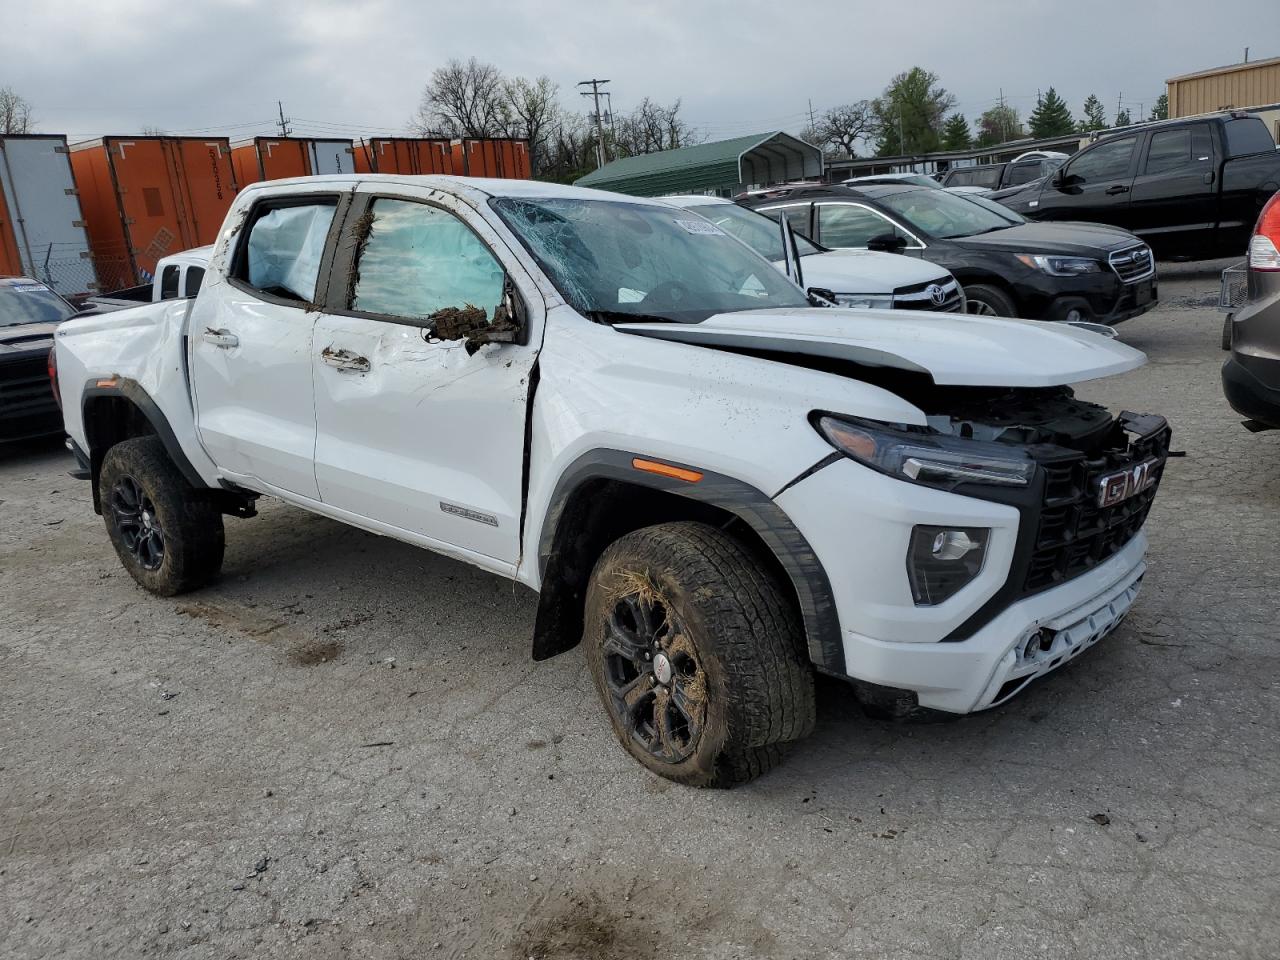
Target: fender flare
759,512
132,391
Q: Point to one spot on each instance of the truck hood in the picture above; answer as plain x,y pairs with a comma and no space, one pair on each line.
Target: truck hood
867,271
1068,239
955,350
26,337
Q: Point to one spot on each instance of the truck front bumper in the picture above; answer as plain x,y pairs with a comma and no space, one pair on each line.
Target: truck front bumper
1027,640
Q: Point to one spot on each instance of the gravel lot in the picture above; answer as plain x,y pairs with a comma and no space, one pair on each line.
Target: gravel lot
341,748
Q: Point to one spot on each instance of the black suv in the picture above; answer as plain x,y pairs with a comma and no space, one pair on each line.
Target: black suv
1009,267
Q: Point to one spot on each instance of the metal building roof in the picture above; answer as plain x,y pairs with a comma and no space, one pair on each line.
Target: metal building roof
759,158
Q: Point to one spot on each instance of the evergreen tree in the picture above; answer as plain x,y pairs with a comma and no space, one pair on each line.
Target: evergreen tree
955,133
1161,110
1095,118
1122,118
1051,117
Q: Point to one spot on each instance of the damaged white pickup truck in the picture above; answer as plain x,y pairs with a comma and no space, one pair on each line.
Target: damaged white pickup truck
714,486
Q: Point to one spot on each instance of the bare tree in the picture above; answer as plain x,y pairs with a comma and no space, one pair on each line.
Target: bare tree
652,127
15,112
533,108
844,127
463,100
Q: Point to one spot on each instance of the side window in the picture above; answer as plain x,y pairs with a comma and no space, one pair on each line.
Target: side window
281,255
797,215
1025,172
1106,161
1246,135
845,225
418,260
195,277
1170,150
169,281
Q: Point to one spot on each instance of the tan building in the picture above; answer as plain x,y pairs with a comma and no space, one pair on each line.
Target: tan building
1240,86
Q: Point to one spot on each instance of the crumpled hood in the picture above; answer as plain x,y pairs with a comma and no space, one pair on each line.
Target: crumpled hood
26,336
954,349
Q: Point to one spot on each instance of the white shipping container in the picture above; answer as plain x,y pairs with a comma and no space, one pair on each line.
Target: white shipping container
40,215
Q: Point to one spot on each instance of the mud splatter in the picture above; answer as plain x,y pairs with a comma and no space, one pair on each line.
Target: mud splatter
311,654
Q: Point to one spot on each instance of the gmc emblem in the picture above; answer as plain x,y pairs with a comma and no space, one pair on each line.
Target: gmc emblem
1117,487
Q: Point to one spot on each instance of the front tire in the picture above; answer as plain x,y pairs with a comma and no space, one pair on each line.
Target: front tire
167,534
697,655
988,301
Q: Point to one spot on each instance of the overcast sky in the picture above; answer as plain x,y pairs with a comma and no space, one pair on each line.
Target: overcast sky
116,66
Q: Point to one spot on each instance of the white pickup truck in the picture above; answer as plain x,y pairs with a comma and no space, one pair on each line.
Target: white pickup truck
715,487
178,275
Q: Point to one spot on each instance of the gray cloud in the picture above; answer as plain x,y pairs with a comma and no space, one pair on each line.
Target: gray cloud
115,66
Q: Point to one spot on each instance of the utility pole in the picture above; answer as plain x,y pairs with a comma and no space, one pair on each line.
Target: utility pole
595,96
812,124
1004,134
1119,100
283,122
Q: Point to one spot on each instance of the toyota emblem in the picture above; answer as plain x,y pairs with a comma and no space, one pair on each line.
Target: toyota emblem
936,294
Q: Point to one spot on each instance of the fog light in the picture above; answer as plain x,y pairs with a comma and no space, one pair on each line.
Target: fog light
942,560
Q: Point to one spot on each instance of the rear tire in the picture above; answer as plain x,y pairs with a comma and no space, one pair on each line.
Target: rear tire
986,300
167,533
697,655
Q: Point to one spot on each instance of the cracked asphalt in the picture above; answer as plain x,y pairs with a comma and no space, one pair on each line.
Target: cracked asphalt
341,748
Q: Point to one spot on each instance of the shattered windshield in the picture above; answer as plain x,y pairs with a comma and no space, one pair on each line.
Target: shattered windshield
614,261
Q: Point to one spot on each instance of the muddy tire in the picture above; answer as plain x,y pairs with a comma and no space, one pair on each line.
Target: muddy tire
1226,331
697,654
986,300
167,534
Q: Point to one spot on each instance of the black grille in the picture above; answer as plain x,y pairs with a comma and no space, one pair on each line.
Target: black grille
1075,534
1132,264
24,388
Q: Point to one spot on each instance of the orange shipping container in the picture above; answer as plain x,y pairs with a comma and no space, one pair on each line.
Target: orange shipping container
407,155
492,157
274,158
144,197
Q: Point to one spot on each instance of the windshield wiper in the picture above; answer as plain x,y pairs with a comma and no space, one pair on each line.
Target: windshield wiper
623,316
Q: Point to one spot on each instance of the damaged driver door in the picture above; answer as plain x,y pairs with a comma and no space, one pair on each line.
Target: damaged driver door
421,379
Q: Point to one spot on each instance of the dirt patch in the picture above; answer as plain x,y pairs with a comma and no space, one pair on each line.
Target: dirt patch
586,929
311,654
232,617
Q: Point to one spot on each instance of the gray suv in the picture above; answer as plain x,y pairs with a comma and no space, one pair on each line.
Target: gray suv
1251,378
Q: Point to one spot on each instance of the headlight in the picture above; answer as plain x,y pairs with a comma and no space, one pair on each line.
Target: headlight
1060,266
922,456
865,301
942,560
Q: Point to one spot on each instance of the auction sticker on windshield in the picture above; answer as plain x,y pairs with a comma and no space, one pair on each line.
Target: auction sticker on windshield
699,226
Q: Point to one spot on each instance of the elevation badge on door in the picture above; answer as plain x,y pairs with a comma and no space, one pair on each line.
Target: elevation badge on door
466,514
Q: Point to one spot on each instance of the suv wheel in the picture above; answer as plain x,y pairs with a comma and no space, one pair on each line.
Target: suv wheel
988,301
167,534
697,655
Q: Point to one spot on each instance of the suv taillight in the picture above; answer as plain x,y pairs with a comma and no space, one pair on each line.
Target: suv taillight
53,376
1264,248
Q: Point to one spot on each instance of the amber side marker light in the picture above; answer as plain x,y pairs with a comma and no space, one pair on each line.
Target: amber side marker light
666,470
105,383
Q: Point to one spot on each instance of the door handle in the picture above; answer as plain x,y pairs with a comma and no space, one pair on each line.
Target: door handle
1117,189
345,360
220,338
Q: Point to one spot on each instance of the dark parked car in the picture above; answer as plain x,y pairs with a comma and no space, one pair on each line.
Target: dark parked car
1008,266
1190,188
1251,378
29,313
1001,176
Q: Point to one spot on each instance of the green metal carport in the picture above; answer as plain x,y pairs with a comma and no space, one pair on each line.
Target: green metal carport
724,166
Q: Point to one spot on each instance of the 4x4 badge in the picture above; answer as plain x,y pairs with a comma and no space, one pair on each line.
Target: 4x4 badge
1117,487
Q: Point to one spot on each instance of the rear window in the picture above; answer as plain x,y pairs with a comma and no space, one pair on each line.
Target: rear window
986,176
169,282
1247,135
30,303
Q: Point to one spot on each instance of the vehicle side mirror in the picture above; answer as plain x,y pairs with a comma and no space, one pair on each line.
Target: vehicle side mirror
471,323
1058,178
887,243
821,297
